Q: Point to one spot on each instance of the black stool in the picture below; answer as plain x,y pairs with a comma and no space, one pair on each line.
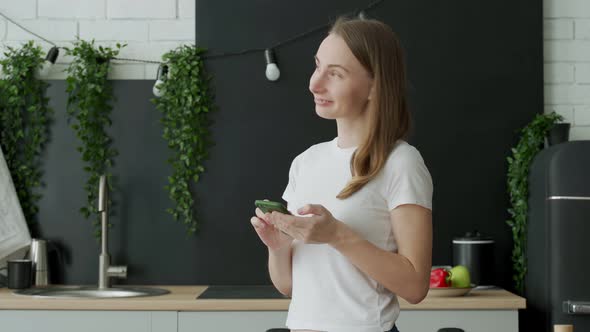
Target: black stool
278,330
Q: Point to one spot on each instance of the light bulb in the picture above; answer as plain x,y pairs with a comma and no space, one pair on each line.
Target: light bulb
49,61
158,89
45,69
362,15
272,70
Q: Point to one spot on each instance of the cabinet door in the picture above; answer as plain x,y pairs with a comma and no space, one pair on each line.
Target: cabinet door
568,239
87,321
230,321
468,320
409,320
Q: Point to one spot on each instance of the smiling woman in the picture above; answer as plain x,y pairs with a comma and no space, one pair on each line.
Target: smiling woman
360,233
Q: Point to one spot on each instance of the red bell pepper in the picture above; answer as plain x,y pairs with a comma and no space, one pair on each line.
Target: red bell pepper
440,277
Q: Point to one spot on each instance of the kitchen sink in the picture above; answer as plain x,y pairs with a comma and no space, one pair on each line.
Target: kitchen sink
91,292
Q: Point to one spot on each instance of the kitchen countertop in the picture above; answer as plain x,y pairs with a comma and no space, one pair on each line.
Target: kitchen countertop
184,298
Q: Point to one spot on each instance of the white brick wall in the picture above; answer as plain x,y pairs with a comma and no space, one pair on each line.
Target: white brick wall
152,27
582,29
186,8
566,34
19,9
114,30
144,9
2,29
55,31
149,27
73,9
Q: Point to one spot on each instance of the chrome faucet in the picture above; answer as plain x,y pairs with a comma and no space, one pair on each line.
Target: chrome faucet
105,270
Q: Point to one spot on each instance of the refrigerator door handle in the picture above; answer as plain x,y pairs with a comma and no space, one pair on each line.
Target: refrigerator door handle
576,308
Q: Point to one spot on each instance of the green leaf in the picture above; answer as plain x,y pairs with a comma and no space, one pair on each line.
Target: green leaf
24,119
181,129
89,99
527,147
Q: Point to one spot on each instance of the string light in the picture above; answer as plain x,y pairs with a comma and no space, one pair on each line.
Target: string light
158,89
272,70
49,61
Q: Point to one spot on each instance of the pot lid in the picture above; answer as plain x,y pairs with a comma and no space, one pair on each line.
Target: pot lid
473,238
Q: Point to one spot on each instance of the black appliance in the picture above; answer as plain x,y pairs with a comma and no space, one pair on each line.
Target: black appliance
557,285
476,252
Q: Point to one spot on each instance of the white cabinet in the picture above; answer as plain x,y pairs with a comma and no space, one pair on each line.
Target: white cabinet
233,321
409,321
230,321
87,321
468,320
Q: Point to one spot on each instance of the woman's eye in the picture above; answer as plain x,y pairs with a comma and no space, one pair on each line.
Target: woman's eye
335,74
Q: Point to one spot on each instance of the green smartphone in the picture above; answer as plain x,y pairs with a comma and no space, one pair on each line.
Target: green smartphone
267,206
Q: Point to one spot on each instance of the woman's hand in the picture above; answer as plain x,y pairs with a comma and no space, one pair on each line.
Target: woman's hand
271,236
321,227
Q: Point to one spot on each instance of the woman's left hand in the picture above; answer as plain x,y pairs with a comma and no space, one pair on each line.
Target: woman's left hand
321,227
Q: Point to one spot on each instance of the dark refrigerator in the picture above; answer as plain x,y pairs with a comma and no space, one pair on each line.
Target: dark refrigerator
557,285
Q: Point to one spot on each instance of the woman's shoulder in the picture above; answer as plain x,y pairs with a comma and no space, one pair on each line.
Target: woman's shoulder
311,154
404,154
317,149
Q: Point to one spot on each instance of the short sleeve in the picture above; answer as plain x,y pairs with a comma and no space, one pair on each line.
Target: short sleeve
289,193
408,181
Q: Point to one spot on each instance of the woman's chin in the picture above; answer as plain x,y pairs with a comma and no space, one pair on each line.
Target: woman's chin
324,113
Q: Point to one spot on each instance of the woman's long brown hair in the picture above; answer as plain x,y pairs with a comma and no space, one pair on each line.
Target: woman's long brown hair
378,49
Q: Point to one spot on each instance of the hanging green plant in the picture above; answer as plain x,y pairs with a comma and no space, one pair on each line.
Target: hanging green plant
185,104
24,122
531,141
89,102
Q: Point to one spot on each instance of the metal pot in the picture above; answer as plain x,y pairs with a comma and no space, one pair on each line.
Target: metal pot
476,252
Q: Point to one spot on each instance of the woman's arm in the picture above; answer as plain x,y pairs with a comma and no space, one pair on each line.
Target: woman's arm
279,252
279,268
407,272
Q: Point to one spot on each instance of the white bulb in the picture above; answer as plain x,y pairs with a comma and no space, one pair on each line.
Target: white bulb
158,90
272,72
45,69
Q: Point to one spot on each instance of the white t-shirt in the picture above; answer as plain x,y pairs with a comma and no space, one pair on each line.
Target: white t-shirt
329,293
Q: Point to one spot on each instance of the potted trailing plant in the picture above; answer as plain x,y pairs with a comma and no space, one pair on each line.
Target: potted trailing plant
531,141
24,122
89,103
185,105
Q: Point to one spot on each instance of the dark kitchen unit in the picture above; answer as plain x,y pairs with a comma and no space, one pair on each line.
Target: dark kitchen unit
557,286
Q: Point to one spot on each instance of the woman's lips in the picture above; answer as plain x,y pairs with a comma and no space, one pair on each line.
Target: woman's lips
322,102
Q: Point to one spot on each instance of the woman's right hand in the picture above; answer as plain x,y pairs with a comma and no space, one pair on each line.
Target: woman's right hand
271,236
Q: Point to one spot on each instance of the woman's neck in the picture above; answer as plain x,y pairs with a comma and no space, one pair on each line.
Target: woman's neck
351,132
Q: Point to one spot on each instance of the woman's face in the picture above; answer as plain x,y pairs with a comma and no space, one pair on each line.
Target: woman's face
340,84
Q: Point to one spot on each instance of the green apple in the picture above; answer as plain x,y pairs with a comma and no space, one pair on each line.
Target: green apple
460,276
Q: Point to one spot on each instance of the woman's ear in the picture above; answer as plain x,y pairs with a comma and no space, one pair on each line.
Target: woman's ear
371,91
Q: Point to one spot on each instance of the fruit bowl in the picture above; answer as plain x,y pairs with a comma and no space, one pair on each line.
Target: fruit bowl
449,291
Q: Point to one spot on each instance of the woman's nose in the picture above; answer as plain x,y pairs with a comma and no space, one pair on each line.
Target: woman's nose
316,84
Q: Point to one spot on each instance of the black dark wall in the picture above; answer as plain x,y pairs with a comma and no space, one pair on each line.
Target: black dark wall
475,76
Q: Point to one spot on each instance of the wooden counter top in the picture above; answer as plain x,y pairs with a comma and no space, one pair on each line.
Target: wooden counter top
183,298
